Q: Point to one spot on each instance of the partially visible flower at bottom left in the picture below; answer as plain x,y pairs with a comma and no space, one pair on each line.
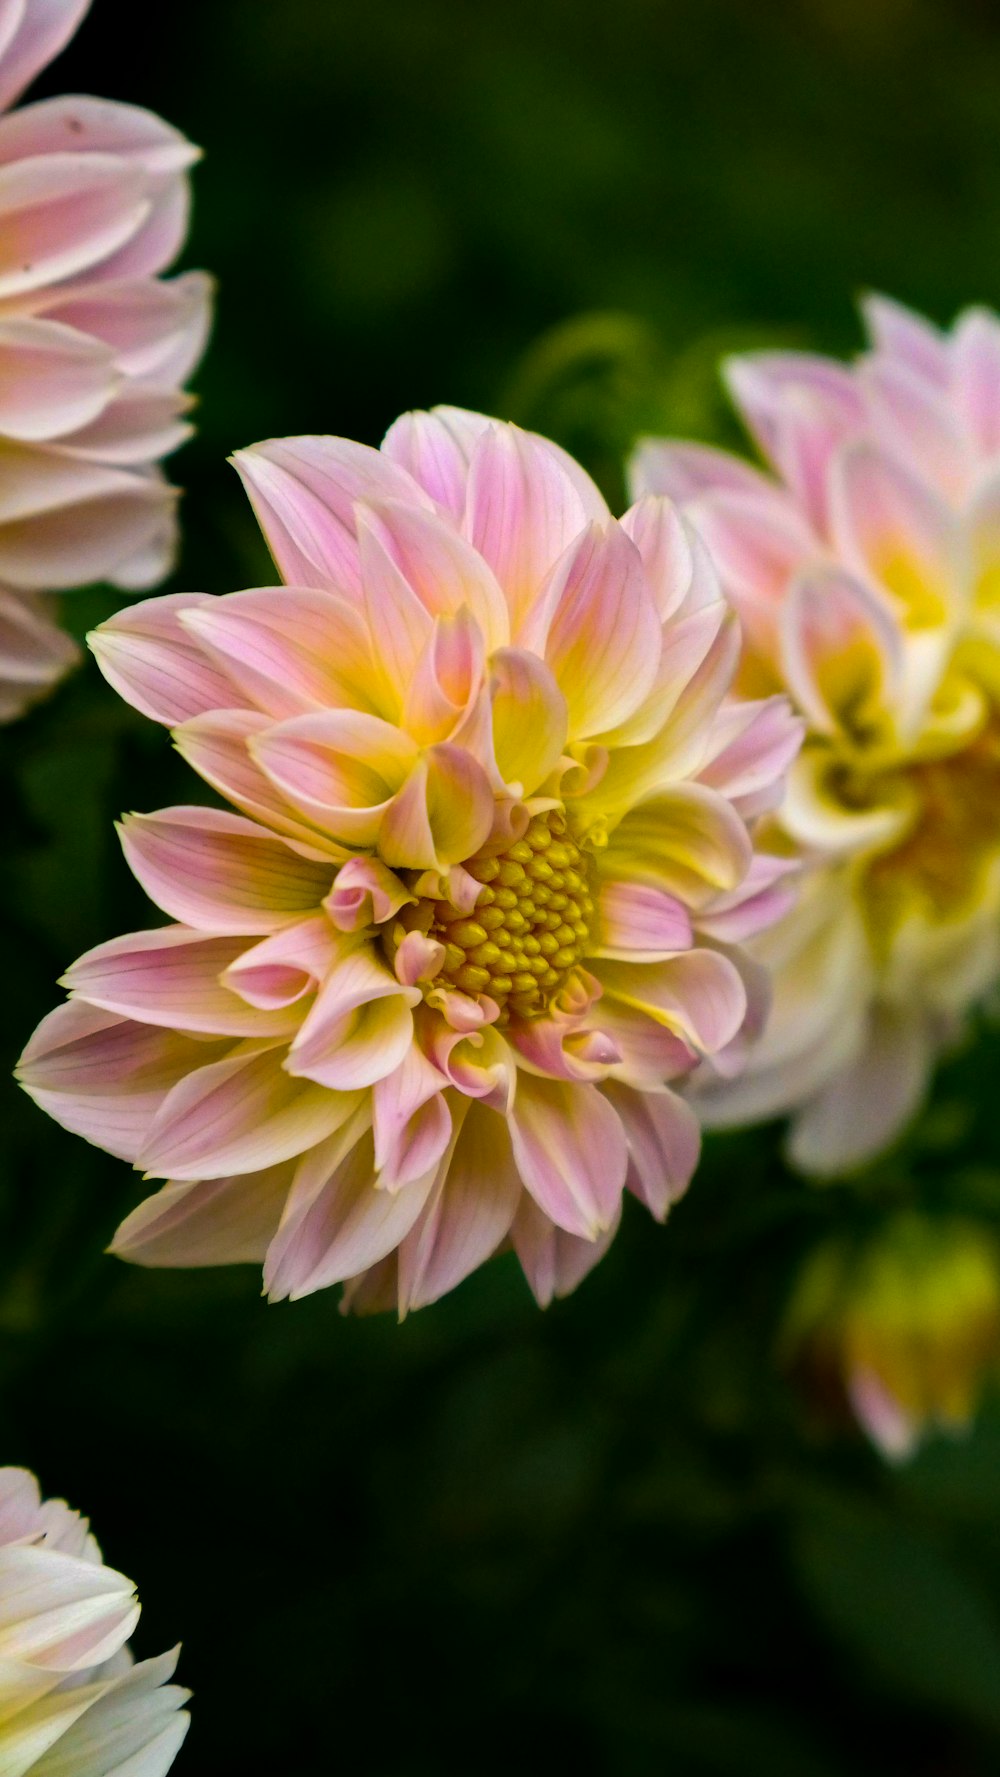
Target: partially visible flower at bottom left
72,1702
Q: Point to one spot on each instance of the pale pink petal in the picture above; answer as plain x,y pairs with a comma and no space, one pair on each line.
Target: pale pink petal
359,1028
892,1430
664,1142
104,1077
153,663
467,1215
640,923
436,449
756,546
915,423
216,745
365,893
650,1053
224,1221
530,721
219,872
439,565
62,1613
447,679
597,626
304,492
171,977
32,32
553,1261
238,1115
565,1050
54,378
287,966
442,814
683,472
570,1151
64,523
287,649
866,1104
976,377
890,526
340,768
841,651
34,653
61,214
757,743
336,1222
659,533
905,337
765,895
138,424
698,995
411,1120
687,842
156,328
527,500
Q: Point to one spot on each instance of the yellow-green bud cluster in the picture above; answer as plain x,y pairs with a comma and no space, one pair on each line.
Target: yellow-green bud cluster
530,926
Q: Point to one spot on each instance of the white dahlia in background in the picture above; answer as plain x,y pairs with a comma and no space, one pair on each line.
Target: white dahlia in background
94,346
72,1703
481,903
866,571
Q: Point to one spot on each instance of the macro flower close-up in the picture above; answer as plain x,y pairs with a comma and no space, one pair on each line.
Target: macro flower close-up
73,1703
95,346
429,991
865,566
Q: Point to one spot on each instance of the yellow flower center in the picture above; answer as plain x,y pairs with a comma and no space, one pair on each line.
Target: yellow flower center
530,926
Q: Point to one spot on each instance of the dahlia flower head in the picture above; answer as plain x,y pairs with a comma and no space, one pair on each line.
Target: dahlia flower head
484,893
72,1703
865,566
901,1326
94,346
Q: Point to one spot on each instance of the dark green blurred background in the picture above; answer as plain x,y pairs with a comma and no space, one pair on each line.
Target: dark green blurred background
610,1537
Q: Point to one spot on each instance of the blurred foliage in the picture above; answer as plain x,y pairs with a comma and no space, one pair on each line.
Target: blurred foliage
614,1530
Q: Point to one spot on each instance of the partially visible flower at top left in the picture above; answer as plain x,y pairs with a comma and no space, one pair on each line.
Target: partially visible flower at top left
94,346
483,897
72,1703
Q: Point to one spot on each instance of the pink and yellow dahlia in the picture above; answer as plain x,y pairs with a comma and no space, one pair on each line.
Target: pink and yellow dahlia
426,989
866,571
94,345
72,1704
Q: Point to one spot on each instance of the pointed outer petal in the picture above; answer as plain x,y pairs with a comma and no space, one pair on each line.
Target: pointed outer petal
699,995
765,895
238,1115
443,813
136,1721
65,523
288,649
530,718
918,425
304,490
20,1496
225,1221
219,872
215,746
557,1051
336,1222
447,678
62,214
360,1026
34,654
895,529
282,969
553,1261
365,892
32,32
60,1612
975,360
570,1150
841,650
865,1106
596,625
467,1215
901,335
640,923
161,236
54,379
686,842
399,626
154,665
895,1435
171,977
757,743
650,1053
435,560
435,449
664,1142
96,127
340,768
683,472
104,1077
766,386
527,500
657,530
816,817
756,543
138,425
155,328
411,1120
477,1062
418,959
